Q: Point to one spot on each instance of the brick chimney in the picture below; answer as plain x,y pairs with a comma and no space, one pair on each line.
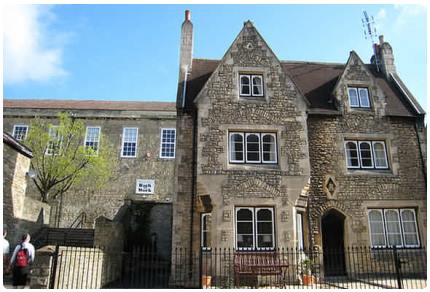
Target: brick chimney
386,57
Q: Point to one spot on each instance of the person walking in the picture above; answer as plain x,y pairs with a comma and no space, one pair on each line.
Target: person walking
22,258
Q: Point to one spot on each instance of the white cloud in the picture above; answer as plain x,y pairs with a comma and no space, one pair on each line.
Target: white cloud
407,13
32,50
380,20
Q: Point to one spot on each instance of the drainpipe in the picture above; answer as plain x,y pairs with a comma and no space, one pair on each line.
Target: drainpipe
421,153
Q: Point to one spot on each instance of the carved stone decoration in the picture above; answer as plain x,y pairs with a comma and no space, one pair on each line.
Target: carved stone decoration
224,235
330,186
226,215
358,226
284,216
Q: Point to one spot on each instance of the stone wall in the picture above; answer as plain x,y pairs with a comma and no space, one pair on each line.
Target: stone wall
109,200
21,214
402,185
220,109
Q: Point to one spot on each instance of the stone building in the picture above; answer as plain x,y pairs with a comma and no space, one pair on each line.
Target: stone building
276,153
143,135
21,213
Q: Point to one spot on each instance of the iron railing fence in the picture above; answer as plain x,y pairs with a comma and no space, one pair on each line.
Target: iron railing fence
142,267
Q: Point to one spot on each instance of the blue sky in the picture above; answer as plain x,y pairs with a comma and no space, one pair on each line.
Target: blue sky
131,52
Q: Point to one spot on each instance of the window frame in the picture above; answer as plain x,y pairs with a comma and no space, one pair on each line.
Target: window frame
372,154
259,148
231,147
416,228
245,160
346,153
22,126
98,138
59,141
254,211
357,91
399,225
122,142
251,84
169,143
299,231
399,211
204,231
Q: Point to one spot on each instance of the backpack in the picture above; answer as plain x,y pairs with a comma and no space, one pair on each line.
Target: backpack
22,258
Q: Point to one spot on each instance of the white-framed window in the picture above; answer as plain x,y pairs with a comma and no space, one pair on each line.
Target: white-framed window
366,154
206,225
393,227
251,85
92,138
145,186
129,142
358,97
54,142
299,230
255,228
167,145
20,132
236,148
252,148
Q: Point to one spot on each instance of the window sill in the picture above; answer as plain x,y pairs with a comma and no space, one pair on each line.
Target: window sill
249,166
370,172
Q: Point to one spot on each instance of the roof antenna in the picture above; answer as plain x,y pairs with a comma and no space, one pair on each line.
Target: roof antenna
370,33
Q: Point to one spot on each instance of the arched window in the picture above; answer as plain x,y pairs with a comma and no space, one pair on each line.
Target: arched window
376,222
269,148
351,154
236,147
253,148
366,155
380,155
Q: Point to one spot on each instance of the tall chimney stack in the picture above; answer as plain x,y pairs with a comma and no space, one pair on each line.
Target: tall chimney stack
386,57
185,56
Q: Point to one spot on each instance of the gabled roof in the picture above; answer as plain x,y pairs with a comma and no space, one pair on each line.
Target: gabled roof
90,104
315,80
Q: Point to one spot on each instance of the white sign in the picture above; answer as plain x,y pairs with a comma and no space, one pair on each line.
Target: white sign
145,186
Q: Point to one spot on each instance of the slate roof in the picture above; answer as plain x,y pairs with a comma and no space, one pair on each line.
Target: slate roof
90,104
315,80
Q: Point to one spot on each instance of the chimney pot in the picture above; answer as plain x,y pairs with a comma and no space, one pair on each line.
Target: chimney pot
187,15
381,39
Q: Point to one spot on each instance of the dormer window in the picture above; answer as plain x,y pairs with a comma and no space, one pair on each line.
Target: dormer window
251,85
358,97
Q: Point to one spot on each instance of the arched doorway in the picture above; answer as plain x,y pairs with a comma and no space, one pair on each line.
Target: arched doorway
332,225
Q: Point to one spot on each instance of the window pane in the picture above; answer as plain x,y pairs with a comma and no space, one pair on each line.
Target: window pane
168,137
245,86
245,241
253,148
376,228
409,228
236,147
206,230
366,155
257,85
265,240
264,227
364,97
129,142
380,155
244,227
353,98
244,214
269,148
264,215
20,132
351,154
392,224
92,138
299,228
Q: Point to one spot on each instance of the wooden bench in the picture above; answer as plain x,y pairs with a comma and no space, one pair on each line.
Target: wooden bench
258,263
